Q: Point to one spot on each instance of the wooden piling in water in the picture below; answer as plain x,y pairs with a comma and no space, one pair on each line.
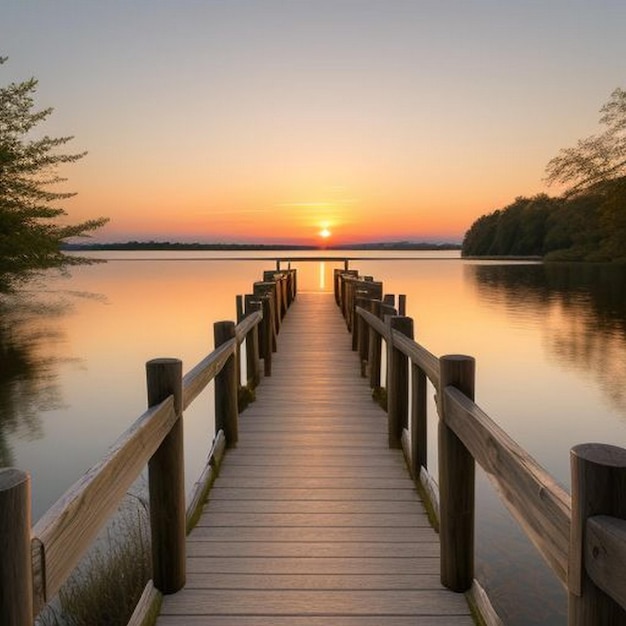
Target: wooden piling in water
456,483
167,481
419,421
375,348
16,581
252,343
226,389
598,532
398,381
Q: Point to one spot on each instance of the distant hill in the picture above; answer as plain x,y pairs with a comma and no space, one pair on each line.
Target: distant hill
172,245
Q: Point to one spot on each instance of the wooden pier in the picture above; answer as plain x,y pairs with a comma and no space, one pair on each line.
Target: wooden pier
313,518
307,512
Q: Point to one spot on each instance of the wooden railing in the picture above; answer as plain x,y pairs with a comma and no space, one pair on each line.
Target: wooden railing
34,563
582,537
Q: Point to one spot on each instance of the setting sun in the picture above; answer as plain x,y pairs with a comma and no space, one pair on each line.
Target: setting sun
324,233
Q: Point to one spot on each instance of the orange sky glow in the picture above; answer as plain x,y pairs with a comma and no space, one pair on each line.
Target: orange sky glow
269,121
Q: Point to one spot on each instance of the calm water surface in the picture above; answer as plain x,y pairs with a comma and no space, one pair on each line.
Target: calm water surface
550,345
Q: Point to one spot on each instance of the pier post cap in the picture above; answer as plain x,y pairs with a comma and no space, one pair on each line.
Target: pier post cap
604,454
163,361
12,477
452,358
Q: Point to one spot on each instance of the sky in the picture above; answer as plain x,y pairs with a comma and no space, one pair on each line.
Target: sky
274,120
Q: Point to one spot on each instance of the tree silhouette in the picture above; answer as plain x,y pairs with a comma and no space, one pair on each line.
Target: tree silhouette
30,234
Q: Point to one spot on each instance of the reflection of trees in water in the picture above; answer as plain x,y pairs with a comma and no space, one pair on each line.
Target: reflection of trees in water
30,352
583,312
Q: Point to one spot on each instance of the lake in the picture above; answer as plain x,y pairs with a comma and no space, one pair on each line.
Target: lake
549,342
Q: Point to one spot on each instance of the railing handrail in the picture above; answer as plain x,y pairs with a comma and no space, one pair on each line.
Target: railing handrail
543,508
581,536
63,534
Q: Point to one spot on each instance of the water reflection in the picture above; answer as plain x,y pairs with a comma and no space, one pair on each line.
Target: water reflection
583,308
31,350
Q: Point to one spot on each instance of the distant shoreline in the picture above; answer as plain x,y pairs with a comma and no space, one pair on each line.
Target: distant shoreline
160,245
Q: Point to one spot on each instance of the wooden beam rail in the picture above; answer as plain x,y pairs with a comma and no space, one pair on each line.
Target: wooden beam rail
540,505
582,537
65,532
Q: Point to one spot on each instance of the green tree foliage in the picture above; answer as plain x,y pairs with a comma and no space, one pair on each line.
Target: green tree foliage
30,232
587,223
519,229
598,158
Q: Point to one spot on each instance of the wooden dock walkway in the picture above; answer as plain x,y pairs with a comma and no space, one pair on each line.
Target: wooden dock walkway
313,519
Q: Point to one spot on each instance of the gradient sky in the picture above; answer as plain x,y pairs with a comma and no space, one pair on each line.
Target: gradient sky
268,120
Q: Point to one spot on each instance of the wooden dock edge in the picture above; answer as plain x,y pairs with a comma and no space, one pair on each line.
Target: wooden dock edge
203,485
480,605
148,607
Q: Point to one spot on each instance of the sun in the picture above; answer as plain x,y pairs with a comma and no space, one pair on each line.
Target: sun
325,233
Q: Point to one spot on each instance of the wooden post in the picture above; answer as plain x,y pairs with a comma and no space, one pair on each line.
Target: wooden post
598,488
167,481
364,336
337,285
402,304
16,579
273,282
357,323
226,409
398,381
240,315
419,425
268,289
294,283
252,344
347,302
375,348
284,284
456,483
266,335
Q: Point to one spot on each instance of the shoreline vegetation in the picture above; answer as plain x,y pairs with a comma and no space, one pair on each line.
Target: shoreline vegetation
587,226
587,223
174,245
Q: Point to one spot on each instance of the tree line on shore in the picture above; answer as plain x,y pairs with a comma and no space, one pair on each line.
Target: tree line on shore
589,226
586,223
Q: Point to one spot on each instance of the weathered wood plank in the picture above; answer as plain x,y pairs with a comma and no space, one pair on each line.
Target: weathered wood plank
241,493
319,549
315,471
310,507
319,520
314,602
375,582
311,534
296,482
204,372
321,454
337,620
313,565
147,607
605,555
297,439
